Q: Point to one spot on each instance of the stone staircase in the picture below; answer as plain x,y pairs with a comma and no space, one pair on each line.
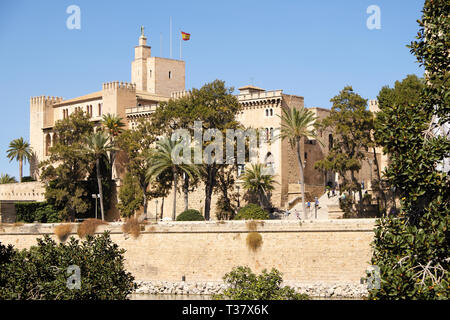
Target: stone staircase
328,209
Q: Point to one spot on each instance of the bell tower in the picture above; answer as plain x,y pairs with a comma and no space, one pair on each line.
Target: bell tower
139,66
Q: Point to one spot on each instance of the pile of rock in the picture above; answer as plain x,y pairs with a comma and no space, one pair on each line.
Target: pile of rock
316,289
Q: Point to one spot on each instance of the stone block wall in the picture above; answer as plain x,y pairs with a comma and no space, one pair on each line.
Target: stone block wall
326,251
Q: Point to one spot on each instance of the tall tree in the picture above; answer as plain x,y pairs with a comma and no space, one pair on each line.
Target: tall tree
114,126
67,170
296,124
19,150
411,251
137,145
98,145
352,125
261,184
161,159
215,106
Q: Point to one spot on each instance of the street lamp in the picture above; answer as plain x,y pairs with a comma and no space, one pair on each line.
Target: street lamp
238,204
95,196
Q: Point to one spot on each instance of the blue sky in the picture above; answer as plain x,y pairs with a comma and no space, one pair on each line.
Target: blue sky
307,48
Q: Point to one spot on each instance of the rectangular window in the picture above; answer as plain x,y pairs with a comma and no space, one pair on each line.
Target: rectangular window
99,109
170,74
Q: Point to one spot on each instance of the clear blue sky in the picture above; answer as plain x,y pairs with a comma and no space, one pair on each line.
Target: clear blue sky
307,48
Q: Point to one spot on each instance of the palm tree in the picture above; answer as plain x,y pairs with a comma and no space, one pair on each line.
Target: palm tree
113,125
19,150
161,159
295,125
6,178
256,181
98,145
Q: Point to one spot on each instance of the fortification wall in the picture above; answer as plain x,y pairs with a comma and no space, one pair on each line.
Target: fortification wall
327,251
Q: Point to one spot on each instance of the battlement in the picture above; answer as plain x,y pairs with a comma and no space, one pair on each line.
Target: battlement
179,94
115,85
373,106
45,100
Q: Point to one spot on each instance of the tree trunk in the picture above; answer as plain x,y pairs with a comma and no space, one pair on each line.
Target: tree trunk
211,170
356,183
174,209
100,188
145,205
186,192
302,178
162,208
20,170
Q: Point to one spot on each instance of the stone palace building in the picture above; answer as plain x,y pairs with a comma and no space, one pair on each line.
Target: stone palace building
157,79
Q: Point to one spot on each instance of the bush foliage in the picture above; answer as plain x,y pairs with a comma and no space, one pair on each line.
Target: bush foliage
245,285
252,211
41,272
190,215
36,211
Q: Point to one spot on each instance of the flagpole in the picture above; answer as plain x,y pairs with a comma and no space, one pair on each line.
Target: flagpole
160,45
180,44
170,37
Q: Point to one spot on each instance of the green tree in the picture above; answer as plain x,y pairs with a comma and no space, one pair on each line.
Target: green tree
352,124
6,178
255,180
114,126
137,145
245,285
296,125
412,251
216,107
161,159
66,172
19,150
130,195
98,145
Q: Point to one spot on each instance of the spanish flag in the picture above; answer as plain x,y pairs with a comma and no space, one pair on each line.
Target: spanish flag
185,36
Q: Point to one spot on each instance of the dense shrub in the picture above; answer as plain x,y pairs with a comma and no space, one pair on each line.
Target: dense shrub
190,215
245,285
36,211
41,271
252,211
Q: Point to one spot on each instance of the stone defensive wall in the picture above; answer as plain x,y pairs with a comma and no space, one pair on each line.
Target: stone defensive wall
325,251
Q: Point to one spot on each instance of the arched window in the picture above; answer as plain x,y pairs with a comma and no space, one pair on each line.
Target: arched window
271,112
271,134
267,112
99,109
48,143
269,162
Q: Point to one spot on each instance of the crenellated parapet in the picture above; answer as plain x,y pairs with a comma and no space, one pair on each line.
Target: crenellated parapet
116,85
179,94
48,100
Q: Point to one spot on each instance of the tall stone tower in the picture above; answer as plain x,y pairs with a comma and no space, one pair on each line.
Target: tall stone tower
156,75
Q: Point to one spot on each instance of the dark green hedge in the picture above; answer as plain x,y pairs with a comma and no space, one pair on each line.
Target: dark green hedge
190,215
36,211
42,272
252,211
